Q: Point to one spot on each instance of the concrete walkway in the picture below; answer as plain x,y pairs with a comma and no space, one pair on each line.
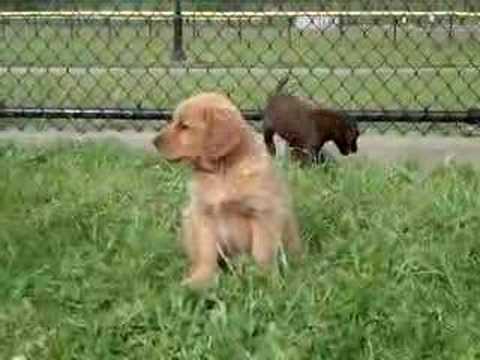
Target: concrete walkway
428,151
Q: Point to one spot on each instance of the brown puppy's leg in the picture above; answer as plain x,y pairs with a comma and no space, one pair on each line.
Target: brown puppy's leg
268,134
300,155
320,157
305,156
198,236
315,151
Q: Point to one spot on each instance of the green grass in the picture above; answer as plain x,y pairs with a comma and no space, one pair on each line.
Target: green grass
91,269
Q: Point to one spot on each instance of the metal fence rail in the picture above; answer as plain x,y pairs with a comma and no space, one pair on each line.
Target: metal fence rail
384,67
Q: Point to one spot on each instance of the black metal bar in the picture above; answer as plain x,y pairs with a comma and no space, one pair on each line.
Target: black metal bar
471,116
178,53
72,113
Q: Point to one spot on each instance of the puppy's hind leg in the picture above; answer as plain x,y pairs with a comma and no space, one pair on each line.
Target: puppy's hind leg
266,232
268,134
291,236
318,157
301,156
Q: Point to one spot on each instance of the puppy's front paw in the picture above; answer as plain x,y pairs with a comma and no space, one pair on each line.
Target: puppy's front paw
198,280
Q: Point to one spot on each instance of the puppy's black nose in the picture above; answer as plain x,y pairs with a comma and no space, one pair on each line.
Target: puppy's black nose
157,141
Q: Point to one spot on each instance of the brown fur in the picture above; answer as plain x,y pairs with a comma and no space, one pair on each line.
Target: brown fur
238,203
306,126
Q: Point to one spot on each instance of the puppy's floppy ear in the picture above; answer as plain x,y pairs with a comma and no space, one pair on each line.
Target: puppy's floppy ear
224,132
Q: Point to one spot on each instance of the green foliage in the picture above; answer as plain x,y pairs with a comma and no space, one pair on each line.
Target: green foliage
90,267
239,5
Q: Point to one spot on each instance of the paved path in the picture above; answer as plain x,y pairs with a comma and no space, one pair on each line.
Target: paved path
428,151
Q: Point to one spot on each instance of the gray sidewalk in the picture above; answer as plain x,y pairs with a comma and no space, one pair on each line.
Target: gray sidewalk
428,151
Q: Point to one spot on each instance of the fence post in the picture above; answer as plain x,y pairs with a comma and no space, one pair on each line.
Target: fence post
178,53
35,26
290,25
395,26
239,29
3,27
341,25
195,31
108,25
450,26
149,27
71,27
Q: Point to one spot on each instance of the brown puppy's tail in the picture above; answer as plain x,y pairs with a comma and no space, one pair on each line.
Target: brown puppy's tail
283,81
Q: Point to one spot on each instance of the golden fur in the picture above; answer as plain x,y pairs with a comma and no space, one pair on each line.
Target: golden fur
238,203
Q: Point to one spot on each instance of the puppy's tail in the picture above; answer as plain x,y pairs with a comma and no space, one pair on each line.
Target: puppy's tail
283,81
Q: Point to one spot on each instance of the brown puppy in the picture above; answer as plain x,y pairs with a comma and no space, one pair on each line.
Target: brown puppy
238,203
305,126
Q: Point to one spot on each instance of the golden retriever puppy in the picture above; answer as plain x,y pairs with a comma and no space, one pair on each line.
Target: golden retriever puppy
238,202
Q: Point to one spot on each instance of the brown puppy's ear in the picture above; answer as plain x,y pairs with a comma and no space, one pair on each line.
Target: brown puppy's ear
224,132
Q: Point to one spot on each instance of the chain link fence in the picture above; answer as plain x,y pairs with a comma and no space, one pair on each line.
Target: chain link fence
401,65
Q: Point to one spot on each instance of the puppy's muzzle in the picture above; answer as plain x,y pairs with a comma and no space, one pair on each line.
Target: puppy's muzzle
158,141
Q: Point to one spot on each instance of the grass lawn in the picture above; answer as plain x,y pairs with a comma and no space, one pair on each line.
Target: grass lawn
90,267
145,75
